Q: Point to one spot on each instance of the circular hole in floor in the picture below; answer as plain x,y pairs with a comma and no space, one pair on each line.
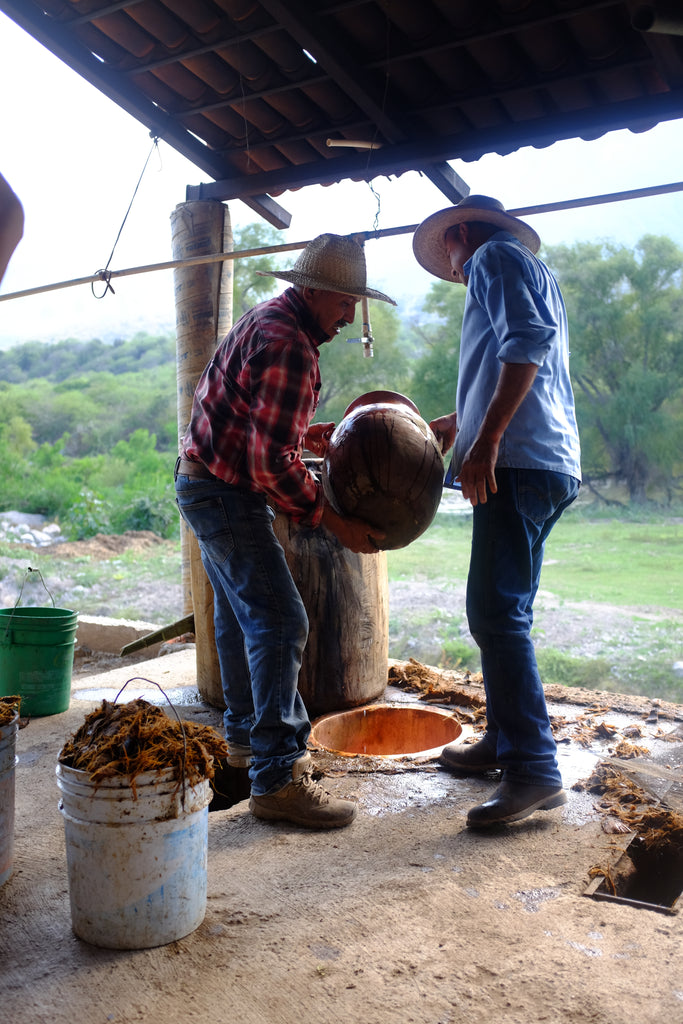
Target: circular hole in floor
383,730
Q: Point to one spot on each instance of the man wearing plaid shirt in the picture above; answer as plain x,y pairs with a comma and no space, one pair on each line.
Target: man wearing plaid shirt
251,421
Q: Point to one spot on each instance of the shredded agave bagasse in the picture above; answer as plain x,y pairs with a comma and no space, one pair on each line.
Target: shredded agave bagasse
135,737
9,706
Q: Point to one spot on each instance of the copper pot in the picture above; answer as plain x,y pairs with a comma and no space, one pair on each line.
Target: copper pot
384,465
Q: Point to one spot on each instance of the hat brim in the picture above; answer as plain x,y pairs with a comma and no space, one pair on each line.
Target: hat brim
429,238
306,281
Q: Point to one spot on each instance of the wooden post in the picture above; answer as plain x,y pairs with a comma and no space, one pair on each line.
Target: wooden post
203,297
346,597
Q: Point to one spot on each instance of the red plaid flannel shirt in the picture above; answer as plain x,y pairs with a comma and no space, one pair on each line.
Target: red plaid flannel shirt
254,403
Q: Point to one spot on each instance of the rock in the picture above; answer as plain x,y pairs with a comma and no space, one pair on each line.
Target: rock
29,528
27,519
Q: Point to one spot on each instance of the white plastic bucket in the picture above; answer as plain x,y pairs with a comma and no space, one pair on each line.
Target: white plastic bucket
8,759
137,860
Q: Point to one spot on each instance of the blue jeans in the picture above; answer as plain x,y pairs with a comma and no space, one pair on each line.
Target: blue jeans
508,540
260,624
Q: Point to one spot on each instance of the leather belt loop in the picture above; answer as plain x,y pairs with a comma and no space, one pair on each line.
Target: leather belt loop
184,467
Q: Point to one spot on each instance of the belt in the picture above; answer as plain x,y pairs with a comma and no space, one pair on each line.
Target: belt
197,469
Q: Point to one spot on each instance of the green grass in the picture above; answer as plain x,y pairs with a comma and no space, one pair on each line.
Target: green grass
441,553
112,587
616,562
608,561
630,564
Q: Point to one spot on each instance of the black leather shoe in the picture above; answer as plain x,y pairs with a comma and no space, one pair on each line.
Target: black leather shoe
515,800
470,758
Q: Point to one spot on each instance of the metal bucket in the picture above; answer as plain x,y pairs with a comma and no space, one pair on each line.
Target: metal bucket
8,760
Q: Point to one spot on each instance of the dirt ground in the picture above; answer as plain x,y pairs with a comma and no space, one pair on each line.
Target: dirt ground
581,628
106,545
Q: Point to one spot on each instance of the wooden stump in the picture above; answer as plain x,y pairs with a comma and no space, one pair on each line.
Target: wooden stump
346,597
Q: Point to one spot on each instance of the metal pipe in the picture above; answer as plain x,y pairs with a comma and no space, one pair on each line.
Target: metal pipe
568,204
366,337
665,17
352,144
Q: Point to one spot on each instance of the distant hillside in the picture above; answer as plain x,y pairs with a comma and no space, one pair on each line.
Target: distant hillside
64,359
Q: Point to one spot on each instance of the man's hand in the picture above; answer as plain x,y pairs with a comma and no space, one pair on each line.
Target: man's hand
354,534
478,471
444,430
478,468
317,438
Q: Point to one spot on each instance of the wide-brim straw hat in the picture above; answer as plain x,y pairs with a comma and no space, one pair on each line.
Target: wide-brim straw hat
332,263
429,240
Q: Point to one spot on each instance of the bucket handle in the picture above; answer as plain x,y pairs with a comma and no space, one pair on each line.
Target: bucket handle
142,679
29,570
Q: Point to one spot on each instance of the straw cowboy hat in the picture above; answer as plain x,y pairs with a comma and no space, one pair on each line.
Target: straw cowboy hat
332,263
429,238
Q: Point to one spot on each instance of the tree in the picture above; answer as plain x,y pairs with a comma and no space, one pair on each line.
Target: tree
626,325
436,338
346,373
248,287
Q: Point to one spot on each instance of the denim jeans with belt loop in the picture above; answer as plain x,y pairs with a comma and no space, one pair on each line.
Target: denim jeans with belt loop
509,533
260,624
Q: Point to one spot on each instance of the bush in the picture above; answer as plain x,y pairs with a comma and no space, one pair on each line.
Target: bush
458,654
145,512
86,518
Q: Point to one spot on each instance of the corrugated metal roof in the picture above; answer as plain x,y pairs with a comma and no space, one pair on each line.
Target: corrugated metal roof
266,96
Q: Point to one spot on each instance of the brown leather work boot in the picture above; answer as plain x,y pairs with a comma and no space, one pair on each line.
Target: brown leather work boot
470,759
304,802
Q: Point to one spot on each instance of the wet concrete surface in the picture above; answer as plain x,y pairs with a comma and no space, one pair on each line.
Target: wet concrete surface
391,783
406,915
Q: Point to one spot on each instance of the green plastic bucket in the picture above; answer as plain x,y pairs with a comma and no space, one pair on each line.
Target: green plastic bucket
37,656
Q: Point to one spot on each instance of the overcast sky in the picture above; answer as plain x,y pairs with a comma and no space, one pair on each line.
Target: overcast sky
74,158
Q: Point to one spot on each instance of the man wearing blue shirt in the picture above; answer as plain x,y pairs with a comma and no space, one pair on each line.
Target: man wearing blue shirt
517,459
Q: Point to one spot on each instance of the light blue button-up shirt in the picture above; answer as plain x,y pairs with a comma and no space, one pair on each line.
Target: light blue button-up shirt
514,313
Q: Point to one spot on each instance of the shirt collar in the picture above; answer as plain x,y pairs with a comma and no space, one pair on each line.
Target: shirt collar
310,325
498,236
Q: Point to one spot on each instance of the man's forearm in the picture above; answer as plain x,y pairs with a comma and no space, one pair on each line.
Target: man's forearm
513,385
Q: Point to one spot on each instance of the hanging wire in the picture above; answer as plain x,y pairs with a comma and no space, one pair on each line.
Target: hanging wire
243,111
105,275
378,200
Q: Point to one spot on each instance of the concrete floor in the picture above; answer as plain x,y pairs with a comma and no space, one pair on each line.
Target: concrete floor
303,926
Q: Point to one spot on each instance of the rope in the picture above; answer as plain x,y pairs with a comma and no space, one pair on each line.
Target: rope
373,190
106,275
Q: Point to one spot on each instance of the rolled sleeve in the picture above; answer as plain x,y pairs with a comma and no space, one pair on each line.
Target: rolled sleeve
524,325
